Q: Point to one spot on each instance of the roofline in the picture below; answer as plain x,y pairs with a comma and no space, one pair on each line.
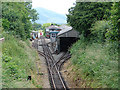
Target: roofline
64,32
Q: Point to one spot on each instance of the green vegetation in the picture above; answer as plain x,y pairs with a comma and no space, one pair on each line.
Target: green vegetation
86,13
99,29
45,25
36,26
18,56
114,33
98,64
95,55
17,17
18,60
0,65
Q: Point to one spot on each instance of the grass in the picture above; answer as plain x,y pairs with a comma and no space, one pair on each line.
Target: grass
96,63
38,86
18,60
0,58
0,65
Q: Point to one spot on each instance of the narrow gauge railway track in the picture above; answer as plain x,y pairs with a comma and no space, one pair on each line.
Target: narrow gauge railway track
43,54
55,77
62,59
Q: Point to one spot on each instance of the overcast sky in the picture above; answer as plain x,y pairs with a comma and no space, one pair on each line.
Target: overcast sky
59,6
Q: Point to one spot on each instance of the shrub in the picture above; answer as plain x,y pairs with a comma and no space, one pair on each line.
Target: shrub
99,30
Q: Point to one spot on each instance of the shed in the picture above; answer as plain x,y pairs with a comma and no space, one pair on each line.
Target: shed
66,37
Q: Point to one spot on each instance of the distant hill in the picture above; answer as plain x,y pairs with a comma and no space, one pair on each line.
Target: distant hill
48,16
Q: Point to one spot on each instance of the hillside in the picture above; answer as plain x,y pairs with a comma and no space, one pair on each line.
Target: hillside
48,16
18,62
92,65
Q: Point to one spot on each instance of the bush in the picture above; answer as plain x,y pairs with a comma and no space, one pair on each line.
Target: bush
17,59
99,30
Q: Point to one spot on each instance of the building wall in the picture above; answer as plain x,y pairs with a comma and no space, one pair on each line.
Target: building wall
64,43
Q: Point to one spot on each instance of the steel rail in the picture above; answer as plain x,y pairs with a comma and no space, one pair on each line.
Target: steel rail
53,60
48,64
45,48
64,56
43,54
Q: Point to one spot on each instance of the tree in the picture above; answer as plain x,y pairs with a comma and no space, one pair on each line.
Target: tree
32,12
36,26
16,18
84,14
114,33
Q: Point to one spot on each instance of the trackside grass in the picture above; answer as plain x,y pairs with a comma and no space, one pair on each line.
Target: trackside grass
96,63
18,60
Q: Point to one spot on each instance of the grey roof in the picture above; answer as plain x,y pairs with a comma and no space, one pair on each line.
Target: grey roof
53,27
65,29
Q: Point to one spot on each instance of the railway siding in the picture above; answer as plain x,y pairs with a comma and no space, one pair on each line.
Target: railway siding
56,80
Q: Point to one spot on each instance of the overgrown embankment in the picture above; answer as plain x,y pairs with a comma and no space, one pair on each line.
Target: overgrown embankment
18,61
95,55
96,64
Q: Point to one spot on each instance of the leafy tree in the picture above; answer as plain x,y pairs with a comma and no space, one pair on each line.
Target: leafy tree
84,14
6,24
32,12
114,33
36,26
16,18
46,25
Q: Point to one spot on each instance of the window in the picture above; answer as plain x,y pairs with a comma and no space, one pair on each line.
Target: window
53,35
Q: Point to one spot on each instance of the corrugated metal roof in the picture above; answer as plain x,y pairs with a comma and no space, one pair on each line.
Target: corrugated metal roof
65,29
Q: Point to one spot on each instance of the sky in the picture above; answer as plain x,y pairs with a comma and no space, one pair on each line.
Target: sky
59,6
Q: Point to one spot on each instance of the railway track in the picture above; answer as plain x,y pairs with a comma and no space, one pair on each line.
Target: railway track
62,60
55,77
